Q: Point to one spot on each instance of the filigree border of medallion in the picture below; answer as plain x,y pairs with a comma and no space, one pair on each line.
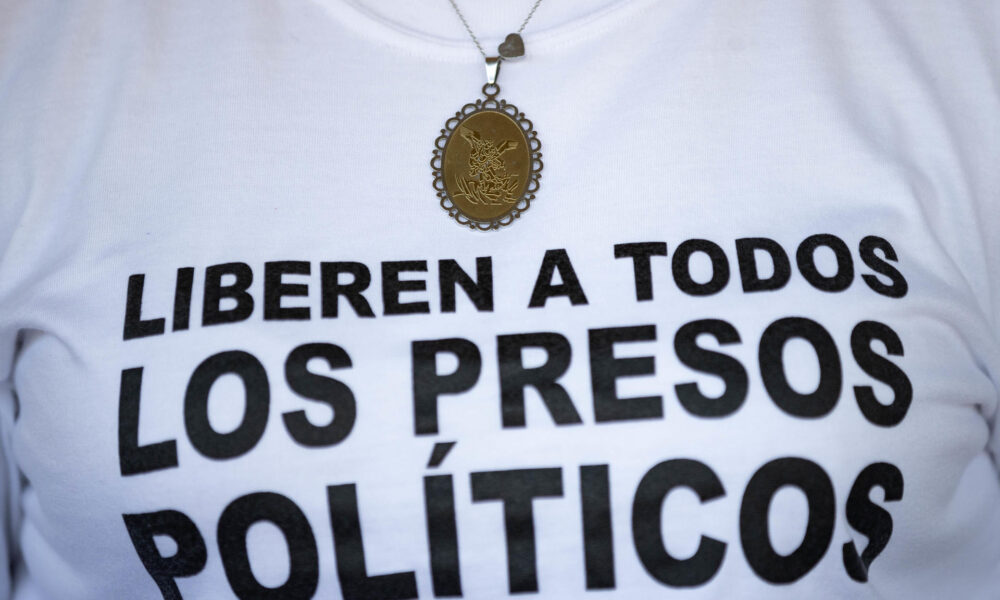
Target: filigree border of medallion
490,103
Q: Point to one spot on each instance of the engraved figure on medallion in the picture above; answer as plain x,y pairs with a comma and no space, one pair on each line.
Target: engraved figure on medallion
486,164
487,181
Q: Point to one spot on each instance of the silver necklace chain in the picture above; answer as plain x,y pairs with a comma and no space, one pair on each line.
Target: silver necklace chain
531,13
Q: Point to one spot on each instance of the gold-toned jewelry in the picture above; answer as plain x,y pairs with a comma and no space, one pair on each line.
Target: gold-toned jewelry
487,160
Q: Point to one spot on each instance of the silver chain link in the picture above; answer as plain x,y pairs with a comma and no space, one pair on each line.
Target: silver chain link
531,13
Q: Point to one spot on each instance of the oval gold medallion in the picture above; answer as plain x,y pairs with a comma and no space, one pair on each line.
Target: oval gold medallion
487,163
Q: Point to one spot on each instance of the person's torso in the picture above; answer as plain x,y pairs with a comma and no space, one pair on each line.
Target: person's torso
740,344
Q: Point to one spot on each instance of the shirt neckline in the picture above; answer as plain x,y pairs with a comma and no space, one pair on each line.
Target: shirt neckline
413,41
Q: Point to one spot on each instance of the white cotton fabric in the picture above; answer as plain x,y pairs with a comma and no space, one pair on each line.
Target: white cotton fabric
143,137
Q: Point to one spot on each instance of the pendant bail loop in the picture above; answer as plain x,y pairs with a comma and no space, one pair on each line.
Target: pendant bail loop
492,69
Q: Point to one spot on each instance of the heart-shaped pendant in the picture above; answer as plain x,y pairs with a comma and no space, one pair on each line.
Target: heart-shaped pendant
512,46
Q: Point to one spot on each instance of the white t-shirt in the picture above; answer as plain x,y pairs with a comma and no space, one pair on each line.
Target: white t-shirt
745,342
